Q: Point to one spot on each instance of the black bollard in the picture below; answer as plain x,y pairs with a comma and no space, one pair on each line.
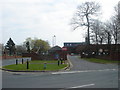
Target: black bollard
27,64
61,61
16,62
58,62
22,61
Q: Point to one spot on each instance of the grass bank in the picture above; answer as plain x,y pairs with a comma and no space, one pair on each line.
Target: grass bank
100,60
36,66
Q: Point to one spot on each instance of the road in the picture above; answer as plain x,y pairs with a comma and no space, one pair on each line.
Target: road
13,61
82,75
79,64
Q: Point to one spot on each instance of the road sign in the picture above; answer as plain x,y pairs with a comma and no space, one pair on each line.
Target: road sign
57,56
64,49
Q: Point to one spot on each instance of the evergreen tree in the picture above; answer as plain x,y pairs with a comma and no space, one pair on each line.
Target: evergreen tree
10,47
28,46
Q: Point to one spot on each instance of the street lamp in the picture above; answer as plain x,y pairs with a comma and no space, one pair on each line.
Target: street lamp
54,40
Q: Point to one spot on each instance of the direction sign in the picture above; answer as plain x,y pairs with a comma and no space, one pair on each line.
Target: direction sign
64,49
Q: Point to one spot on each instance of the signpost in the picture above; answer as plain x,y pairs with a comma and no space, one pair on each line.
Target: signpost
64,49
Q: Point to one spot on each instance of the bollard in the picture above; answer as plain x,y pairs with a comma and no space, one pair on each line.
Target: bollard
58,62
45,65
61,61
22,61
27,64
16,62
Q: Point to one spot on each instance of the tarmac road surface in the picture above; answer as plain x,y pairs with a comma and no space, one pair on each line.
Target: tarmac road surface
79,64
83,74
13,61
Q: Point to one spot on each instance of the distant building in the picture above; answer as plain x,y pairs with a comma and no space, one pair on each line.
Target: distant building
55,52
71,46
1,49
55,48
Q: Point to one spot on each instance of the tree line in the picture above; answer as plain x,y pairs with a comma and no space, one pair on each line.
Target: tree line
30,45
98,32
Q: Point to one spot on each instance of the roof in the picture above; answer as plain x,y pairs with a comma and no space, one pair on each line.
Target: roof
55,48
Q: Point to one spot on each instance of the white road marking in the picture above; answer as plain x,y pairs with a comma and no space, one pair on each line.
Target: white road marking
67,72
77,87
82,86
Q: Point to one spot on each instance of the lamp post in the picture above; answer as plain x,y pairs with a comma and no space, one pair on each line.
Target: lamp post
54,40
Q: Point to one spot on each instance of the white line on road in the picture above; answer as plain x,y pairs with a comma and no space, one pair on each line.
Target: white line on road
82,86
77,87
83,71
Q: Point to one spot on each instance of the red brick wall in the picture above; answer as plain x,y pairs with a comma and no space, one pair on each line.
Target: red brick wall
9,57
33,56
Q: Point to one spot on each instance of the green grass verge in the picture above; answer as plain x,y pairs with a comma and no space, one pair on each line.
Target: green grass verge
33,67
100,60
39,61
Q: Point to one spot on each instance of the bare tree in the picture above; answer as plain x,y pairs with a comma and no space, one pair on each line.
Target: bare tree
114,25
95,26
119,21
85,12
20,49
99,33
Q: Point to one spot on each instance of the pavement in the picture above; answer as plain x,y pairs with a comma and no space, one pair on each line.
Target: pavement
82,74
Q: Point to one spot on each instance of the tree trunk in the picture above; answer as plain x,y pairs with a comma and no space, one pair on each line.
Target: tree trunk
109,38
88,41
116,41
101,40
96,38
116,38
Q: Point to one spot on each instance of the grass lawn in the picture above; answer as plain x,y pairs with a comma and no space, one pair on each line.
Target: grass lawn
100,60
39,61
39,66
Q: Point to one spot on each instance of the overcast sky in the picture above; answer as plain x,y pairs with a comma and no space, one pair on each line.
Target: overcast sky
43,19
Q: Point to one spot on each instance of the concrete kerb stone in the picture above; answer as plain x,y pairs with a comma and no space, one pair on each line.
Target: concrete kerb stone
65,68
69,62
27,70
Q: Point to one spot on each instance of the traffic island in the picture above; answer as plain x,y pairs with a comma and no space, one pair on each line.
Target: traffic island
36,66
